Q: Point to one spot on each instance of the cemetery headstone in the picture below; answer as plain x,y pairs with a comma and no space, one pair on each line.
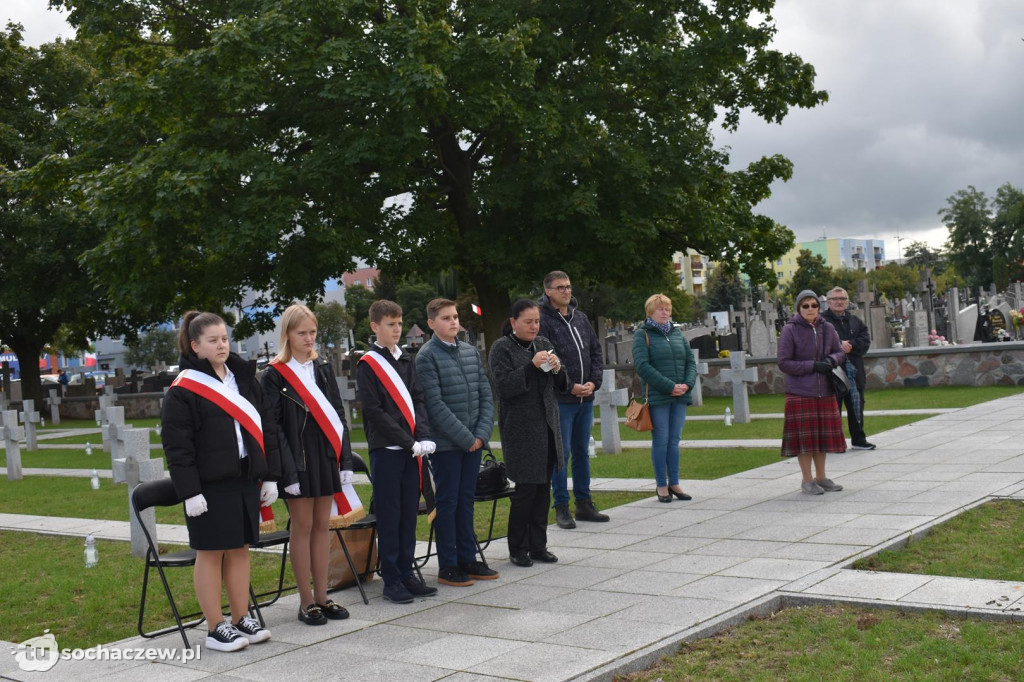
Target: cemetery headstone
759,341
740,375
608,400
133,468
702,369
917,333
12,434
348,394
54,401
112,424
30,418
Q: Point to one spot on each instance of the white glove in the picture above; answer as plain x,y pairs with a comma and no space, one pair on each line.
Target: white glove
268,493
195,505
293,489
427,447
417,449
346,477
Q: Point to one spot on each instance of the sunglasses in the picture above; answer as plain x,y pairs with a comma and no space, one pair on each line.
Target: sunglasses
809,306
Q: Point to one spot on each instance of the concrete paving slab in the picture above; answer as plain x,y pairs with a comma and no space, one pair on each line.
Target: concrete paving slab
869,585
545,662
968,593
729,589
647,582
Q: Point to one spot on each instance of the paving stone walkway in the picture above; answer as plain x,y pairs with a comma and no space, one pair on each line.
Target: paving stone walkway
626,592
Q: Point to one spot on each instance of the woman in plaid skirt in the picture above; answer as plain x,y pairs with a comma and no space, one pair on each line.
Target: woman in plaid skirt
809,348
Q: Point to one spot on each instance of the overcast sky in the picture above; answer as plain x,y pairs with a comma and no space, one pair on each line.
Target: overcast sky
925,98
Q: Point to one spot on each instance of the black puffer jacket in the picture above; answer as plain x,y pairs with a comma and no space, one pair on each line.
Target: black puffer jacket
385,426
576,344
300,437
199,437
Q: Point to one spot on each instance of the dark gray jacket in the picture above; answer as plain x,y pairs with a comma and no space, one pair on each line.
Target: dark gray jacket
576,344
457,393
851,328
528,409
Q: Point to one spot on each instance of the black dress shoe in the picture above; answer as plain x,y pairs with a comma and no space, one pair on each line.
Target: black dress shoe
333,611
520,559
666,498
544,556
681,495
312,615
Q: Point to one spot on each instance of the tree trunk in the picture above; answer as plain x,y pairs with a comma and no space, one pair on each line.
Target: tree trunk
495,303
28,362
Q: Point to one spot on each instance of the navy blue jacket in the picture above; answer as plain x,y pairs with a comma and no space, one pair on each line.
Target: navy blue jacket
576,344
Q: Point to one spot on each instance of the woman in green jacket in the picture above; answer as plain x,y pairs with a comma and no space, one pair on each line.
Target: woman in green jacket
667,370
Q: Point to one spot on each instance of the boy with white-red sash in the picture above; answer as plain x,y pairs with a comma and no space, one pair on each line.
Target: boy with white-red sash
220,443
395,419
316,455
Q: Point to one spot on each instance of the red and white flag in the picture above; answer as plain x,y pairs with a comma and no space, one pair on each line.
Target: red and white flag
346,508
476,309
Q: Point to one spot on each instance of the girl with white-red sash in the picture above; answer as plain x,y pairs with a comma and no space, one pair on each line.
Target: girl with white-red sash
315,451
220,444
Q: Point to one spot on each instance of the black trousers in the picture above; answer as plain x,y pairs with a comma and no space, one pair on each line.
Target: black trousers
528,513
396,500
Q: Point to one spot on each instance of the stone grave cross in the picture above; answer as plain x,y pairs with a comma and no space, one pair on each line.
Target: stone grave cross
348,394
54,402
113,423
11,434
30,418
133,468
740,375
702,369
608,399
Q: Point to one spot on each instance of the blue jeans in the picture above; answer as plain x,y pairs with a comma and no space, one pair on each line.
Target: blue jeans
668,421
576,420
455,473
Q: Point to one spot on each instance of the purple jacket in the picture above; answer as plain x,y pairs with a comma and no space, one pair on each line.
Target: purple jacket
800,345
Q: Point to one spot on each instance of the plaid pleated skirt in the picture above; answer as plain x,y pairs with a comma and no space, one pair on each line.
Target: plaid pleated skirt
812,425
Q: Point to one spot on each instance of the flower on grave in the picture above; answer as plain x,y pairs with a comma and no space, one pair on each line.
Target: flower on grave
723,353
1017,317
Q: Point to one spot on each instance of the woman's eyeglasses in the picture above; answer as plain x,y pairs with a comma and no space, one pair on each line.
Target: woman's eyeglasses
809,306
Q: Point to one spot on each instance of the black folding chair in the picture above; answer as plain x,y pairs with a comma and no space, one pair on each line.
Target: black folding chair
368,521
493,499
161,494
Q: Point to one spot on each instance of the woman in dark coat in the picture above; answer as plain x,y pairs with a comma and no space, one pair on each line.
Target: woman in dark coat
216,465
313,470
667,369
526,373
809,348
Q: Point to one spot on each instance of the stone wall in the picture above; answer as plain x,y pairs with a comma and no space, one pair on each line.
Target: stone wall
985,364
136,406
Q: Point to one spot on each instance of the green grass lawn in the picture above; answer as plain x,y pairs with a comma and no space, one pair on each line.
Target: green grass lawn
983,542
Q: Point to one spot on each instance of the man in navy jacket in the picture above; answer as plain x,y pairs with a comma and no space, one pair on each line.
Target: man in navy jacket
579,349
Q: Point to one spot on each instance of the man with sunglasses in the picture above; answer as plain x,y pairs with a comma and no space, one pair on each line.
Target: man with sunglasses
856,340
577,347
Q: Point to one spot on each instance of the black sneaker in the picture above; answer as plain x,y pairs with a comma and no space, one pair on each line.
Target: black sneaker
312,615
479,571
863,446
333,611
397,594
251,629
563,518
416,587
454,576
225,638
586,511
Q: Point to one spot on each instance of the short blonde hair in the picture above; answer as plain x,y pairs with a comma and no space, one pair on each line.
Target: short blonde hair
657,301
293,316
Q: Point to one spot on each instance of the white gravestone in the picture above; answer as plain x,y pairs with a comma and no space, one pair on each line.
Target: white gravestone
11,433
740,375
760,344
54,402
134,468
30,418
112,426
348,394
702,368
608,399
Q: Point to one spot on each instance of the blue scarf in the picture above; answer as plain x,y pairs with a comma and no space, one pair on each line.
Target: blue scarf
665,328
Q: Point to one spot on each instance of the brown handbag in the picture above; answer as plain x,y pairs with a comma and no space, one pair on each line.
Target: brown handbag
638,413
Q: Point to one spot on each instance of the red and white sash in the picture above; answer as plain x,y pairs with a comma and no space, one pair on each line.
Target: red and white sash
346,508
323,412
240,409
393,384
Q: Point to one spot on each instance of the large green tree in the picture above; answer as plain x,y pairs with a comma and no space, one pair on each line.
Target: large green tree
45,293
153,347
811,273
266,144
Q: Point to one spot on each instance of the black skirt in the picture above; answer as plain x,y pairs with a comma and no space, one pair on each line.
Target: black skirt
320,478
232,518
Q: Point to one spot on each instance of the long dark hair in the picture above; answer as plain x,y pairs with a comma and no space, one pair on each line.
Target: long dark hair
515,311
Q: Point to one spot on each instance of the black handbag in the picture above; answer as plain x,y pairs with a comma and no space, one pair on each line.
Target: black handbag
493,476
840,382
